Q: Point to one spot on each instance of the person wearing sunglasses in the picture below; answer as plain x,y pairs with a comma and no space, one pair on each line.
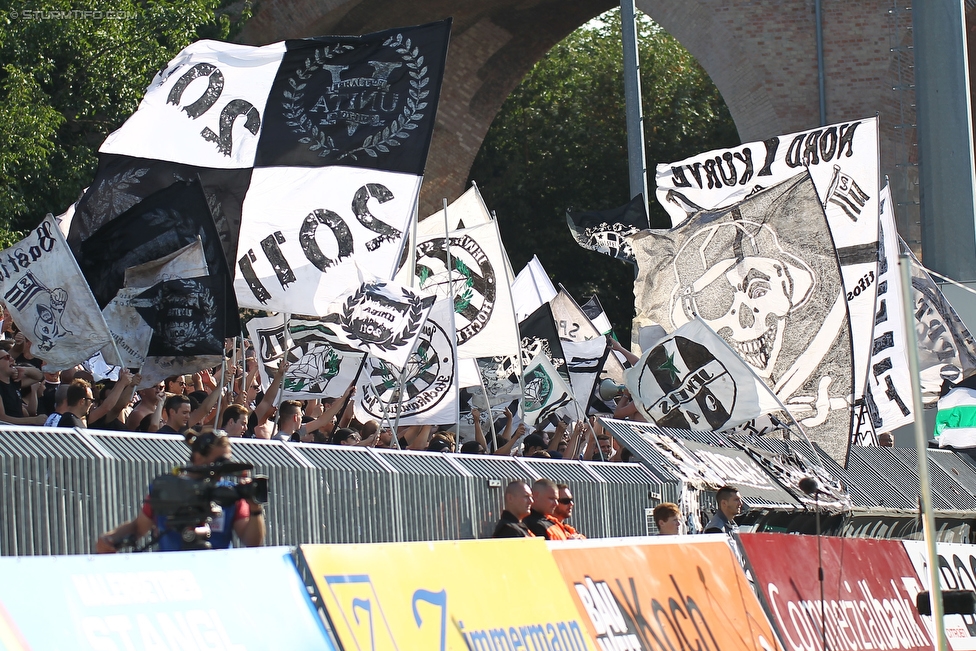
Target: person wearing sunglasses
564,511
79,402
12,380
245,518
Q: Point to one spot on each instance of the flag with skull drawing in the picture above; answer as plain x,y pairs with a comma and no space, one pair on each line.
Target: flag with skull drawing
842,160
764,275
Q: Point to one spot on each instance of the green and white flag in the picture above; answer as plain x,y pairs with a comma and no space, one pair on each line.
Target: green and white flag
425,390
955,424
546,393
315,368
470,267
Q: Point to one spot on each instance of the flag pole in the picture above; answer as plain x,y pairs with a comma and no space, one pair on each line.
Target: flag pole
281,387
223,374
355,382
412,269
450,289
509,279
925,484
491,420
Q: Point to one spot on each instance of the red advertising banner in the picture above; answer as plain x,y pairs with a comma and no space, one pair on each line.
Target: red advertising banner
672,593
868,592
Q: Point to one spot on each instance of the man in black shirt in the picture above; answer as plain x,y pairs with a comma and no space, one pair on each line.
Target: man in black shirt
79,401
176,414
545,499
518,501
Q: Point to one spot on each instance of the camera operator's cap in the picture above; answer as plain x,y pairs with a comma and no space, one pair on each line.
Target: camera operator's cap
534,441
202,443
438,445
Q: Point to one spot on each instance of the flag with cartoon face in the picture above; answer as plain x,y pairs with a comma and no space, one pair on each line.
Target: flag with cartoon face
842,161
48,298
764,275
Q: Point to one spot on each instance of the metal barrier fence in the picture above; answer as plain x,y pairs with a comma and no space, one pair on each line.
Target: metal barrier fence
60,488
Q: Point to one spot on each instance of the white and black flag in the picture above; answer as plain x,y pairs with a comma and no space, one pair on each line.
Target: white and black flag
429,379
132,333
763,275
606,231
49,299
889,396
842,160
381,318
156,227
692,380
310,151
539,335
946,348
186,316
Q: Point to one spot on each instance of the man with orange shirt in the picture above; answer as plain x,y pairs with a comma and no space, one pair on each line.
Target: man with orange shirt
564,511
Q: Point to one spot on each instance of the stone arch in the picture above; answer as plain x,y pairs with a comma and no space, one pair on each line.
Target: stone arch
761,54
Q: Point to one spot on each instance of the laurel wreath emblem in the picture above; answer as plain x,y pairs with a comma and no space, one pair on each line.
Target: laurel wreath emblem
201,330
390,135
414,319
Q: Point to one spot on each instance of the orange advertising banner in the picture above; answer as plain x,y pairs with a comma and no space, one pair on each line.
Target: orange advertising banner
474,595
664,594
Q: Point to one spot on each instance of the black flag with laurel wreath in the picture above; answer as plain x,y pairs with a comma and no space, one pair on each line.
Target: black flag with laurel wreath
185,316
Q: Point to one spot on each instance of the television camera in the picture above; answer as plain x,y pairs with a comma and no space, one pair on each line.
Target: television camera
189,501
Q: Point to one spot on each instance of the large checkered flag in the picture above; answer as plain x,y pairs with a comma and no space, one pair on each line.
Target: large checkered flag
310,152
691,379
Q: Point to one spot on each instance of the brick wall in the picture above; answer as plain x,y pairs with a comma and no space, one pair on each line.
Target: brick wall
760,53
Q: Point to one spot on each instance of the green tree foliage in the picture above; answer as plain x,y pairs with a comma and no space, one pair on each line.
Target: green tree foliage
72,72
560,142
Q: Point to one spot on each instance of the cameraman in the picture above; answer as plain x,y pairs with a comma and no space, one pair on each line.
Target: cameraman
245,518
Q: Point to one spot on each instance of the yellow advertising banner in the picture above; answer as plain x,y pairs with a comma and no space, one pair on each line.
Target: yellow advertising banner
664,594
475,595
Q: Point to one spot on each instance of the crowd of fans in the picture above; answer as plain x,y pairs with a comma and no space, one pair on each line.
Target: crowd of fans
75,398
